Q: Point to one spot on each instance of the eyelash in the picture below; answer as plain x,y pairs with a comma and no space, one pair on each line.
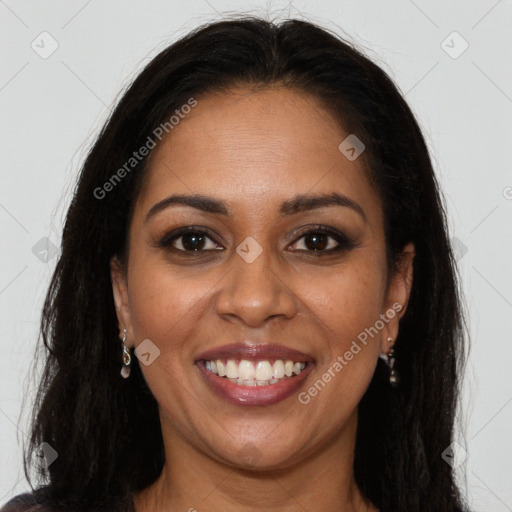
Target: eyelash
345,243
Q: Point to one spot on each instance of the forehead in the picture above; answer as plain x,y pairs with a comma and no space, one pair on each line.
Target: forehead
254,148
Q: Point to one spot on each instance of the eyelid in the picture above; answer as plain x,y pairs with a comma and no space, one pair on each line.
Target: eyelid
166,240
344,242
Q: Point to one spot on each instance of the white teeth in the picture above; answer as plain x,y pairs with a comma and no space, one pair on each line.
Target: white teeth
264,371
278,369
231,369
221,369
246,370
261,373
298,367
212,366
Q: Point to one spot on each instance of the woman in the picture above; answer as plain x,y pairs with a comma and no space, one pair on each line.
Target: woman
260,226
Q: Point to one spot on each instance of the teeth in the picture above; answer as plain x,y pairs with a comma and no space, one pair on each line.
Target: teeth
263,370
212,366
245,370
298,367
221,369
246,373
231,369
278,369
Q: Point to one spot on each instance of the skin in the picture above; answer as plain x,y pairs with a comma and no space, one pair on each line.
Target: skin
254,149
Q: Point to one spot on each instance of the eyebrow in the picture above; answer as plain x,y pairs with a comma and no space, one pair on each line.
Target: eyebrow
299,203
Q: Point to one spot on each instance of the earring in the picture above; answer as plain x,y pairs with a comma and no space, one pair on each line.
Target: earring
127,359
389,358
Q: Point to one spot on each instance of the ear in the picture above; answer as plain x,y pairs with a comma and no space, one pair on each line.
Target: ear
397,296
121,300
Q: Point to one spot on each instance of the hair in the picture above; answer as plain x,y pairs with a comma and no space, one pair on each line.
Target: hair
105,429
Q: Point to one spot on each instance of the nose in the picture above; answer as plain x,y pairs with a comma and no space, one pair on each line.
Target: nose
255,292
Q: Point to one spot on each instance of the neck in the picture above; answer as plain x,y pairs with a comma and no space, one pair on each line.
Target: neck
193,481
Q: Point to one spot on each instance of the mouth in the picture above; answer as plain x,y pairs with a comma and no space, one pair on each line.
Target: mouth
246,374
255,373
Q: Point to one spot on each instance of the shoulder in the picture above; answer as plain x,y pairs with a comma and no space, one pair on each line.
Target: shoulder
39,501
26,502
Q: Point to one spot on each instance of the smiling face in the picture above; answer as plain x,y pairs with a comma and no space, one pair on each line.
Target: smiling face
271,266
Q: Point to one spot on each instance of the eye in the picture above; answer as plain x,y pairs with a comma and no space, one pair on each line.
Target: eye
189,239
196,240
323,240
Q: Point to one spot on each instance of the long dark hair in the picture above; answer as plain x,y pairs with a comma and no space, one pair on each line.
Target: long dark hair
106,429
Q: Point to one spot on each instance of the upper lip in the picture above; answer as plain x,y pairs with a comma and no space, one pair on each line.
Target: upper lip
254,352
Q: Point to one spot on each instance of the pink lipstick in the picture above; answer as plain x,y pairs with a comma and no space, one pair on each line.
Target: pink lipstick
254,374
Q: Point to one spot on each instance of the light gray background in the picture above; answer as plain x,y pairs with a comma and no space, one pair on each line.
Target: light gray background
52,108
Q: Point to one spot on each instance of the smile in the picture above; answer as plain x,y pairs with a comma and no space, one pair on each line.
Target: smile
252,374
260,373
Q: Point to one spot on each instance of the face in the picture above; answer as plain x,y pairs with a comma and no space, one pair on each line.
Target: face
265,275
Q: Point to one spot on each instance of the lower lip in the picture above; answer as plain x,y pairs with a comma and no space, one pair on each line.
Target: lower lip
253,395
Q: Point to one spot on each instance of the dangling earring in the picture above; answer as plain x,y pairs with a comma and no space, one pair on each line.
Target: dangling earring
127,359
389,358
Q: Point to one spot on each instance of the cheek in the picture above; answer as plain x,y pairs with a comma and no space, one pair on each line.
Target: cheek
348,300
347,306
164,307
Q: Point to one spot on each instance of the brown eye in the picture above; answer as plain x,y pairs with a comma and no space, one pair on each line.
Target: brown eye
192,241
317,241
189,239
324,240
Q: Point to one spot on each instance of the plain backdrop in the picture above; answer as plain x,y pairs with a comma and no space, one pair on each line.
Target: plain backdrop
450,59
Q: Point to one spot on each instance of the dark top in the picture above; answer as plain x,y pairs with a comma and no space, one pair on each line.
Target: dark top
37,502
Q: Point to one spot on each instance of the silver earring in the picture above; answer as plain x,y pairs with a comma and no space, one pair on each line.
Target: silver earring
127,359
389,358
